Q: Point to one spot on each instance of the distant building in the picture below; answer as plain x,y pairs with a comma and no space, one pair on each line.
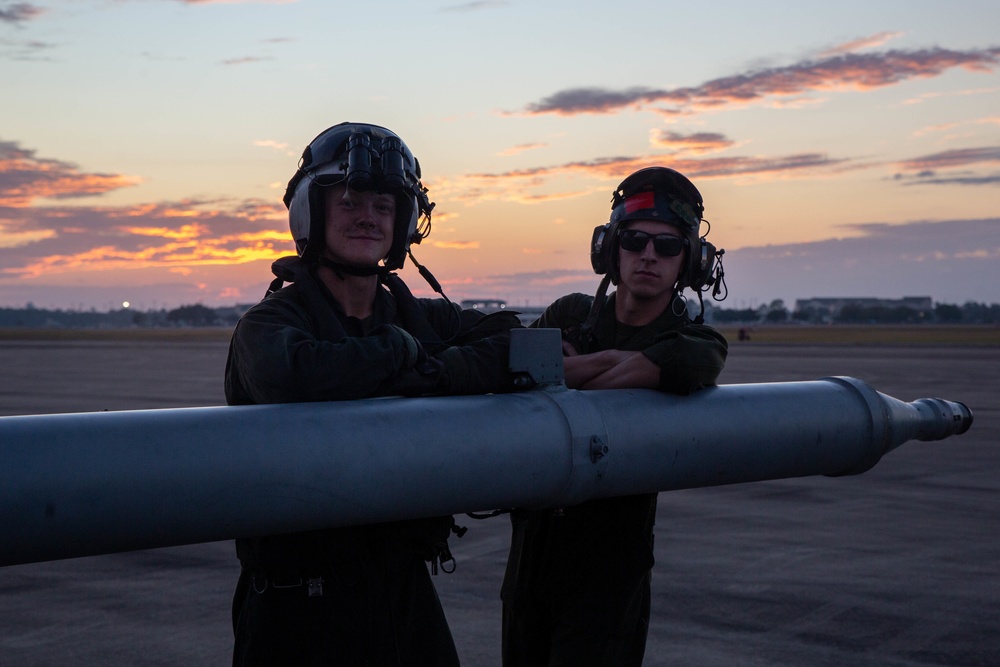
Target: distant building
832,307
527,314
485,305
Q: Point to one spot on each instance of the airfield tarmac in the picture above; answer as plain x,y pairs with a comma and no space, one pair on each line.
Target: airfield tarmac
897,567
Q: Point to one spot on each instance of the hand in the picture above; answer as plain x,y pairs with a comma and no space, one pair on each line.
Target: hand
413,352
425,378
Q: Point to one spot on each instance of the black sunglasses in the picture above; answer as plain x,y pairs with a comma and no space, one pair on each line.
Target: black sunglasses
665,245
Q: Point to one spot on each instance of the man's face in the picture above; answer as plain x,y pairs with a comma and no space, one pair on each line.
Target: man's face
644,273
359,225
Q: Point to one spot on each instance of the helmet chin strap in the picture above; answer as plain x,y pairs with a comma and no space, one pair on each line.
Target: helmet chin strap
381,271
353,269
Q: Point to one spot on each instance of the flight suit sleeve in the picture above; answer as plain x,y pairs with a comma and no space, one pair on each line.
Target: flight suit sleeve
277,358
690,357
477,359
565,313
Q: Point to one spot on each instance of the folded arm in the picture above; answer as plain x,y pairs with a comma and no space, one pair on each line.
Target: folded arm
610,369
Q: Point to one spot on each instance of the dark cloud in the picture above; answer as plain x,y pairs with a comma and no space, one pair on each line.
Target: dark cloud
520,185
24,177
233,2
699,142
859,71
599,100
932,179
756,166
956,157
927,169
245,60
30,51
20,12
951,261
475,6
693,167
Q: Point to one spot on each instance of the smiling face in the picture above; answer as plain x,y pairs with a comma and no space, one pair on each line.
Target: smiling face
359,225
645,275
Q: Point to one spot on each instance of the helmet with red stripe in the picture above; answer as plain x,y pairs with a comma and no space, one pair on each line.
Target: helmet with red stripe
664,195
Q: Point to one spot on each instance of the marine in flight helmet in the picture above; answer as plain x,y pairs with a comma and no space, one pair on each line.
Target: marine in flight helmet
658,193
366,157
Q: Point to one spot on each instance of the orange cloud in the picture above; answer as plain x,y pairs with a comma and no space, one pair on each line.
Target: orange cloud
520,148
872,41
456,245
276,145
173,235
185,232
955,93
175,256
514,185
943,127
25,178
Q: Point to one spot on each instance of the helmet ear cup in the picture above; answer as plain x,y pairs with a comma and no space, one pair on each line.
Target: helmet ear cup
317,221
300,214
404,231
700,265
600,248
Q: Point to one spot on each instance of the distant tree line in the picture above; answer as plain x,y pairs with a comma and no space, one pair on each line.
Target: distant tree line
199,315
943,313
196,315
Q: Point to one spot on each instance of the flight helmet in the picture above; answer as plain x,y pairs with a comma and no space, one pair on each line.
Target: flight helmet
366,157
663,194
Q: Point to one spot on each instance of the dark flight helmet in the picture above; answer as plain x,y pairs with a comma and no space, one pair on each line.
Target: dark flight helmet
657,193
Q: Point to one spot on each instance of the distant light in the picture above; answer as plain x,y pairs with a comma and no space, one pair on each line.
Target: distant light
125,304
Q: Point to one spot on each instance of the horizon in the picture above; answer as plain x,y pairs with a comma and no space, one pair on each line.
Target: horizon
764,304
849,150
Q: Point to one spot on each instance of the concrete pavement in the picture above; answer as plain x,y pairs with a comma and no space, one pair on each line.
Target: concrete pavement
899,566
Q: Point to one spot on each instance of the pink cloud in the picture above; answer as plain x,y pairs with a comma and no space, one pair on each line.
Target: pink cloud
869,42
847,71
956,157
19,12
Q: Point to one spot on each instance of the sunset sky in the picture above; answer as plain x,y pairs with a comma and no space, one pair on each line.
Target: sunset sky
843,149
